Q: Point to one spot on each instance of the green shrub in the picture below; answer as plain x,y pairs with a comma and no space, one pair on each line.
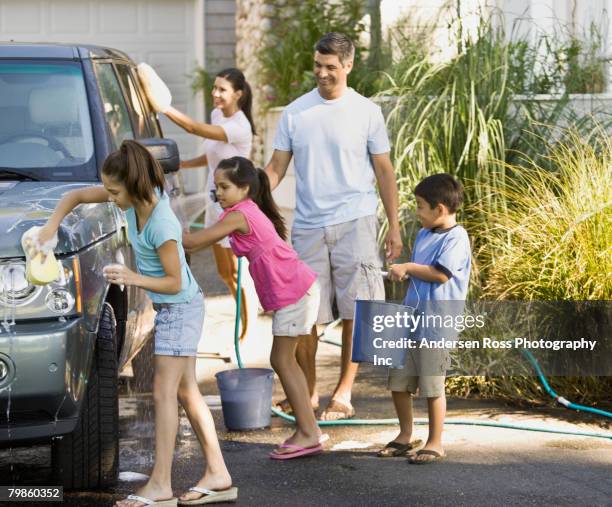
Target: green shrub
553,241
287,64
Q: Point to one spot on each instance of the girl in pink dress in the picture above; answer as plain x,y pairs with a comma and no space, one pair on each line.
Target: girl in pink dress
284,283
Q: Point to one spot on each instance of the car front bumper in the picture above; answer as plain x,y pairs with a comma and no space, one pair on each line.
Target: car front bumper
48,365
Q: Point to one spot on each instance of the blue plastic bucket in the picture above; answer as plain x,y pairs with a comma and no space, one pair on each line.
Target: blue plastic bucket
246,397
368,342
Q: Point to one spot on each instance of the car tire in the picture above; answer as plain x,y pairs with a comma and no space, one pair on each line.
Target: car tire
88,458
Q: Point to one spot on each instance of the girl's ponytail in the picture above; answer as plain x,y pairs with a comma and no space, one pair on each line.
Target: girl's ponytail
242,173
239,83
266,204
246,103
134,167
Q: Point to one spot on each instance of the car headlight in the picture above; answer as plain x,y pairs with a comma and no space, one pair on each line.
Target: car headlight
60,301
61,297
64,295
14,287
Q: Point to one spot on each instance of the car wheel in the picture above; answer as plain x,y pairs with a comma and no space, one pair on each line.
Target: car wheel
88,458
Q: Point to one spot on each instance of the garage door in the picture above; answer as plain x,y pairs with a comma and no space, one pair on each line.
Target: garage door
165,33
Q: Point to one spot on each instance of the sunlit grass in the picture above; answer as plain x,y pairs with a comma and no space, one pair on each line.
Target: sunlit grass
553,239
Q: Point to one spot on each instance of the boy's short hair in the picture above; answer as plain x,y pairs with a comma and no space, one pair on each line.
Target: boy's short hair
336,43
441,188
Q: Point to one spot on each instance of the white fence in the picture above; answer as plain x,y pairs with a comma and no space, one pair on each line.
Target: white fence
599,105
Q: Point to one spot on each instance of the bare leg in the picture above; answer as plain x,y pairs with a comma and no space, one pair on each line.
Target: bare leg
437,411
216,475
306,357
306,353
227,268
168,371
348,372
403,408
294,383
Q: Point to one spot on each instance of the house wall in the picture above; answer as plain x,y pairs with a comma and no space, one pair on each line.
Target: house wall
220,34
522,17
254,23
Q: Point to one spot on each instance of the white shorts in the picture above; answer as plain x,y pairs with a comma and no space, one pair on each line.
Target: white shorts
297,319
347,261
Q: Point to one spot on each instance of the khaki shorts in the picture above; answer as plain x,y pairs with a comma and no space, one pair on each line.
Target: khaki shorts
423,375
297,319
347,261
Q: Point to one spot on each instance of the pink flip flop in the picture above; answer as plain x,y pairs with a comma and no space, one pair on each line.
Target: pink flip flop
322,439
299,451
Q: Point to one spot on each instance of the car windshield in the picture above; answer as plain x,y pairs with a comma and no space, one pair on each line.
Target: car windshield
45,128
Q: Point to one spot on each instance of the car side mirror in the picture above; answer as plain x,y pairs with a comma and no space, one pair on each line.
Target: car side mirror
165,151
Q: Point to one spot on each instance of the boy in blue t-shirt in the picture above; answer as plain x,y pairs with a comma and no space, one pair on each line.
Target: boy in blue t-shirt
439,272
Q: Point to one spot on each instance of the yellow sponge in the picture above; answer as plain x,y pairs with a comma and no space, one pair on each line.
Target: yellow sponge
41,265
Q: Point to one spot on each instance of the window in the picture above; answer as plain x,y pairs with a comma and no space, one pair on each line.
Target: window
44,118
138,117
143,118
115,109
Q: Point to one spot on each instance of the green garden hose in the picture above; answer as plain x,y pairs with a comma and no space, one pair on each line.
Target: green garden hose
418,420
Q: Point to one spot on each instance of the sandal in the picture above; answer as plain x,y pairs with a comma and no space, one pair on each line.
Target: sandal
211,496
338,407
171,502
436,456
297,451
285,407
394,449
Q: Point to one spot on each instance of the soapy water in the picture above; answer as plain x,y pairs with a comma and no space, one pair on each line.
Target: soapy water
40,190
8,412
8,425
31,465
9,305
70,225
55,417
120,260
31,239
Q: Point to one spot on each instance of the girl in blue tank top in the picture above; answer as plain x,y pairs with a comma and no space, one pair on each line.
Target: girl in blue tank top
134,181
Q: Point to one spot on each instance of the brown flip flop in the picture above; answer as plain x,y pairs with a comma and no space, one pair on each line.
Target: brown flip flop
285,407
394,449
338,407
427,452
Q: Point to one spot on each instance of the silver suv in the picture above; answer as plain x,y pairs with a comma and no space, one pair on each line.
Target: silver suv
63,108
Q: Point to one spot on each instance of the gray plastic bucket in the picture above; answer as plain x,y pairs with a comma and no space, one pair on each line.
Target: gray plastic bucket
365,338
246,397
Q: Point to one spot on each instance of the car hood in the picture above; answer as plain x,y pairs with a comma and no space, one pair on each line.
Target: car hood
24,204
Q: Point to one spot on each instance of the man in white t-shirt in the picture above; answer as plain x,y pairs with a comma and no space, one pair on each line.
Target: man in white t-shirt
340,147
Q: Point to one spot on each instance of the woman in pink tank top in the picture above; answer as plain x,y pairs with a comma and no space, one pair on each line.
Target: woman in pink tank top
284,284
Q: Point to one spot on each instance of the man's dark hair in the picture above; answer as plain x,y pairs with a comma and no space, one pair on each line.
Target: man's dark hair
441,188
335,43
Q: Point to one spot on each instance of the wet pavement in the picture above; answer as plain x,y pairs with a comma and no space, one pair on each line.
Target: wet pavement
484,465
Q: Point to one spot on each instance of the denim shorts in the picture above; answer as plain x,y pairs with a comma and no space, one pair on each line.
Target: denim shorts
178,327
